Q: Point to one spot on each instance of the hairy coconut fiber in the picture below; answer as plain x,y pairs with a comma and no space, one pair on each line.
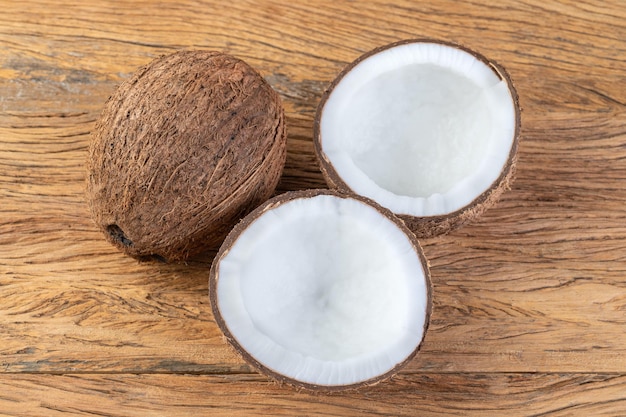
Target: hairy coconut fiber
184,149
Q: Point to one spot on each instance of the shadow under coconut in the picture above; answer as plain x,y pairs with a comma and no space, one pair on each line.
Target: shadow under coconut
302,169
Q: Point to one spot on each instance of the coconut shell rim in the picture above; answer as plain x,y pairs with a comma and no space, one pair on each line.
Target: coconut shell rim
334,180
254,215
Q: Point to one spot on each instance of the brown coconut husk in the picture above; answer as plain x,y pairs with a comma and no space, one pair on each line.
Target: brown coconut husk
183,149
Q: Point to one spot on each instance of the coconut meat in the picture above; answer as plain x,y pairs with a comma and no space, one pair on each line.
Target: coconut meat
421,128
325,291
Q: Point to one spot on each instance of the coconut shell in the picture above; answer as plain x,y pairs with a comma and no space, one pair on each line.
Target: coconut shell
183,149
430,226
244,224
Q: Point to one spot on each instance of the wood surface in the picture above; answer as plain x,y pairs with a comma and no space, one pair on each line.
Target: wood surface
529,302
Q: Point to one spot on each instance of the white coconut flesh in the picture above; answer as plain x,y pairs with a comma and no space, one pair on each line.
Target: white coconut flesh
325,291
421,128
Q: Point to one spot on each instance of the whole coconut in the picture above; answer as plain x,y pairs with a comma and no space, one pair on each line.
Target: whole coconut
184,149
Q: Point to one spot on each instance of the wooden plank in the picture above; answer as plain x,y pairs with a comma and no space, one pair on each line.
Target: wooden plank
464,395
537,285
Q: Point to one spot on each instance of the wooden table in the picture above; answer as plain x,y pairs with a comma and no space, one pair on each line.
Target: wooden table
529,302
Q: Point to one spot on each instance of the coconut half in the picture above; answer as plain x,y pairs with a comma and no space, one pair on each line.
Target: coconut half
427,129
322,291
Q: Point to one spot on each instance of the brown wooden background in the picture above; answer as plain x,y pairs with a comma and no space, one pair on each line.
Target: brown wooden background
530,301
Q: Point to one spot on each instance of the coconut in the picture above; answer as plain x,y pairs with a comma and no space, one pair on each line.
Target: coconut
427,129
322,291
183,149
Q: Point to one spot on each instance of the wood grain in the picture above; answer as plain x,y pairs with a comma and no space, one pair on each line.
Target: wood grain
529,302
240,395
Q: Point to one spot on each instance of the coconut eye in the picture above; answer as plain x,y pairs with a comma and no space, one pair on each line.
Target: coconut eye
117,235
428,130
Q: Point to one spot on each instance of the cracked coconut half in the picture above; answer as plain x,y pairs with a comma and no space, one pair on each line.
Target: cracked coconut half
322,291
426,129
